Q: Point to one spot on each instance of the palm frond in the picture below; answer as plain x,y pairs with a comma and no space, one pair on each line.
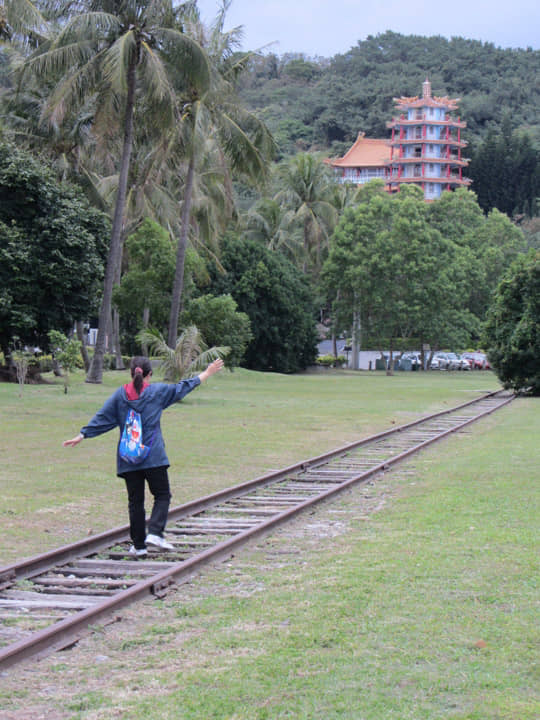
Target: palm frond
189,357
245,157
89,26
23,19
192,67
154,77
117,59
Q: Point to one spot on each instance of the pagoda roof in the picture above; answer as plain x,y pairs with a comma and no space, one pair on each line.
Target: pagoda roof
366,152
427,100
404,103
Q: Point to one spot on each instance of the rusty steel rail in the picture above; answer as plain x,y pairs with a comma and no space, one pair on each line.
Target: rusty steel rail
239,514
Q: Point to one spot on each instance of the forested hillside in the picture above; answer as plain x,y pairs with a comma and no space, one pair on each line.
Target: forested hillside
324,103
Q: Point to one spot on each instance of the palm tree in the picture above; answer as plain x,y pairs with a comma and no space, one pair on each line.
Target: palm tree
213,115
308,198
188,357
121,55
264,223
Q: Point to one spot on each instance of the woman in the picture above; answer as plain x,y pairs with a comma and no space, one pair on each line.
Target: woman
149,401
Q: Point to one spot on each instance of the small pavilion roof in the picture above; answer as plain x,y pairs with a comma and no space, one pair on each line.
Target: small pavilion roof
366,152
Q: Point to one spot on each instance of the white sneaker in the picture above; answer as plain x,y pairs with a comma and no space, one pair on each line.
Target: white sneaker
138,552
159,542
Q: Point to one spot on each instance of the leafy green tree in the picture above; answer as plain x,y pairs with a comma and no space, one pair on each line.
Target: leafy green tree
488,243
395,274
220,323
67,352
499,242
512,332
143,296
21,360
51,251
119,56
278,300
458,216
505,170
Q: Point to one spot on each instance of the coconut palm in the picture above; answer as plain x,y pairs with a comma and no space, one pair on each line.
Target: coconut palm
308,199
264,223
188,357
213,115
120,54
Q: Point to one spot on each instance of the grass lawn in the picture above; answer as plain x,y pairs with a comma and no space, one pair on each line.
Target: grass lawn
237,426
415,597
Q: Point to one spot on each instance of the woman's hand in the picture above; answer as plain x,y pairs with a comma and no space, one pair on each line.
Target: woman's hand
213,368
74,441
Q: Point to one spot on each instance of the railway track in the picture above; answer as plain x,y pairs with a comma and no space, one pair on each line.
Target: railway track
49,601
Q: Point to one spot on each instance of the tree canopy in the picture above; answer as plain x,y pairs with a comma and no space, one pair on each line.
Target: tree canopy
505,170
416,272
321,103
278,300
220,324
512,331
52,250
389,266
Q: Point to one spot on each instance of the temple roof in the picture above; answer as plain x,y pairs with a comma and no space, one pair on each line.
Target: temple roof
416,102
427,100
366,152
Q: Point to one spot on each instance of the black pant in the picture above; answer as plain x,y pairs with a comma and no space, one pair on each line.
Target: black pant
158,483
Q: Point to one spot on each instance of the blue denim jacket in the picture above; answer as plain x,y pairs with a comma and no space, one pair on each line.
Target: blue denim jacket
151,403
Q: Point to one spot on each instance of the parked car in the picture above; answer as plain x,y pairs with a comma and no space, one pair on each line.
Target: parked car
413,357
478,360
439,361
466,362
456,362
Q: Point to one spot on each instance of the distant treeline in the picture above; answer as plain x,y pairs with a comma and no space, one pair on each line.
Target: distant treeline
322,104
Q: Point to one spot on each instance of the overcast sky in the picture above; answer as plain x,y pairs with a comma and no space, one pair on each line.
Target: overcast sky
327,27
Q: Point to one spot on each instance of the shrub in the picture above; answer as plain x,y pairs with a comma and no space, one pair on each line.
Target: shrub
331,361
512,331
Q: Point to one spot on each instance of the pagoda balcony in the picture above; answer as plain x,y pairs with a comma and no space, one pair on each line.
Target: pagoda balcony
454,161
453,142
396,122
417,179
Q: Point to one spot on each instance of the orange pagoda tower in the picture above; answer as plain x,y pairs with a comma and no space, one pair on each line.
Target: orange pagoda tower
426,145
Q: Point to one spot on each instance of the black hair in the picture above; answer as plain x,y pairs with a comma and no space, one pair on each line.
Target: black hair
142,362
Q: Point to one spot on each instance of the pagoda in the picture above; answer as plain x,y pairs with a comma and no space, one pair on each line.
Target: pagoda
425,149
426,145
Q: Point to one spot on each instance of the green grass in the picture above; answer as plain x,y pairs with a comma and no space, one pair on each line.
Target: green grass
237,426
424,609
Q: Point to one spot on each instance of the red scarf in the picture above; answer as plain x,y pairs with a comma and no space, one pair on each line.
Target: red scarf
131,393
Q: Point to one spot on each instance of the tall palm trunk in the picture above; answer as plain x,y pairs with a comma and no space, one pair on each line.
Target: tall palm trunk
356,336
306,245
115,330
178,285
145,324
95,373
